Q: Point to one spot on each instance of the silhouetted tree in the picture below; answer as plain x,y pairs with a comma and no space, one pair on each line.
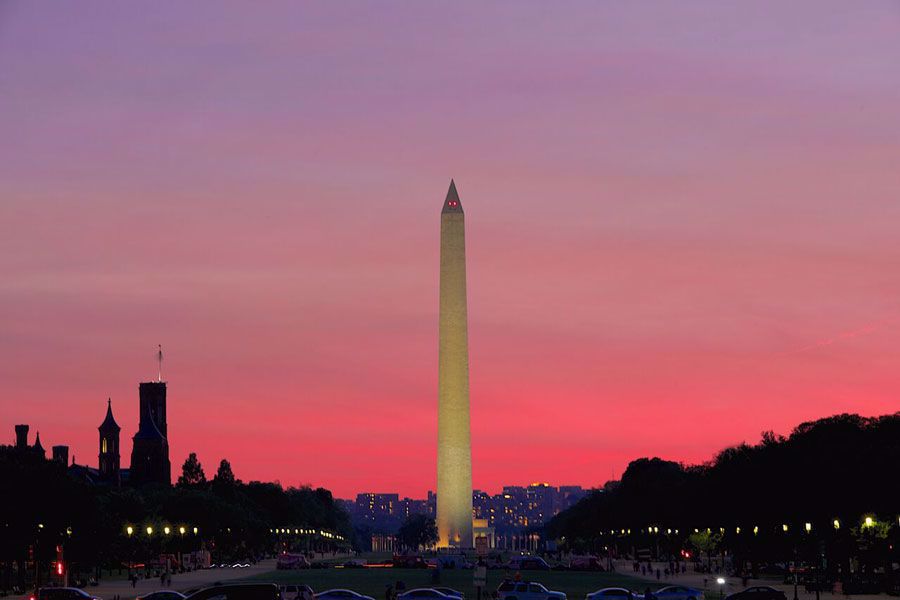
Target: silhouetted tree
418,531
224,476
191,472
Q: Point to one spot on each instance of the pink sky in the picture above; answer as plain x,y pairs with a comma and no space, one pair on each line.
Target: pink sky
682,228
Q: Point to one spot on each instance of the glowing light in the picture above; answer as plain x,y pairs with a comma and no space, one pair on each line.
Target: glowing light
755,530
869,522
784,527
720,580
836,523
149,530
196,531
737,530
129,530
182,530
166,530
808,527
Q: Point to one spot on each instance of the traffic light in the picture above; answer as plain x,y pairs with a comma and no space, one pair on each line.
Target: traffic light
60,563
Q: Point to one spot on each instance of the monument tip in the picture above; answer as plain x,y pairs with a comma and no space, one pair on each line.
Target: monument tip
452,203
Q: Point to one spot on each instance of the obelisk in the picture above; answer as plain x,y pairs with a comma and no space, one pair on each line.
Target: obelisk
454,468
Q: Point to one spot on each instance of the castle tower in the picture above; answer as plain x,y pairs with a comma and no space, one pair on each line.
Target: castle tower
454,468
61,455
150,452
109,447
21,437
38,447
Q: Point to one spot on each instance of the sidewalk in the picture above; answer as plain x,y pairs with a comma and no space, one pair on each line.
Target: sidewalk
184,581
713,591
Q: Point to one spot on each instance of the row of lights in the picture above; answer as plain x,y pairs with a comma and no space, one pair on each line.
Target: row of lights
868,522
166,530
301,531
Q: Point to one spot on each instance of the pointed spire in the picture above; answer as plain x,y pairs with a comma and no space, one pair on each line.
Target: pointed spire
109,423
452,203
37,444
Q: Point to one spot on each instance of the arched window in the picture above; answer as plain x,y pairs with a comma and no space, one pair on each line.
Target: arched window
103,446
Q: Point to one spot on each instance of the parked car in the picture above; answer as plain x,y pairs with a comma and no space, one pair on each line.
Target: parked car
409,561
528,563
759,592
63,593
526,590
678,592
341,594
289,560
613,594
586,563
424,594
238,591
163,595
451,592
296,592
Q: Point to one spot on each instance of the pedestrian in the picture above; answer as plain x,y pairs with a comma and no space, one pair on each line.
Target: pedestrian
658,574
643,571
133,581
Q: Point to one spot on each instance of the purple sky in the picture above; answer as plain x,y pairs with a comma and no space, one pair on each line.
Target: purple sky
682,221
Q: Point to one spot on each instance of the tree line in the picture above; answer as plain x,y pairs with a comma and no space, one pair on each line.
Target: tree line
102,526
829,489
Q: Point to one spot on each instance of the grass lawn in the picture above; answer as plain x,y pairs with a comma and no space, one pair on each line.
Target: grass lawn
372,582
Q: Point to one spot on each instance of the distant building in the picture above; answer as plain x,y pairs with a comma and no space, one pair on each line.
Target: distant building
508,520
150,451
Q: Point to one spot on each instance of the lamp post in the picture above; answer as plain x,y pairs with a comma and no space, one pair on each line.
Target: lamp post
721,582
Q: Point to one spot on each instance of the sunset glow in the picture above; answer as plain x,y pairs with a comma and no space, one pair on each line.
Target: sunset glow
673,243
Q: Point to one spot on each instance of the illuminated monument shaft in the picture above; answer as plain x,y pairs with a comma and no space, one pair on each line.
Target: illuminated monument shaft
454,469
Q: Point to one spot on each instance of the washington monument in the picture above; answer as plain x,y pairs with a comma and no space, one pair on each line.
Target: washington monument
454,468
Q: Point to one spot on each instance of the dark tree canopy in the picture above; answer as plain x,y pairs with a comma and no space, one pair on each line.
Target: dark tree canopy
192,472
224,476
418,531
838,468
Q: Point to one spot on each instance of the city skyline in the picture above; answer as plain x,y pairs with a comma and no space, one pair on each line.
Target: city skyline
682,230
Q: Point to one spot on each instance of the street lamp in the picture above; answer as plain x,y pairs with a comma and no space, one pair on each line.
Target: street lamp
129,530
836,523
808,527
181,530
149,530
721,582
166,530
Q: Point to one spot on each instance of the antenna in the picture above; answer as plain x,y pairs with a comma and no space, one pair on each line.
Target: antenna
159,358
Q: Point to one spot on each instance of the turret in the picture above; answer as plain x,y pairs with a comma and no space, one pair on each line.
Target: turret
109,446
